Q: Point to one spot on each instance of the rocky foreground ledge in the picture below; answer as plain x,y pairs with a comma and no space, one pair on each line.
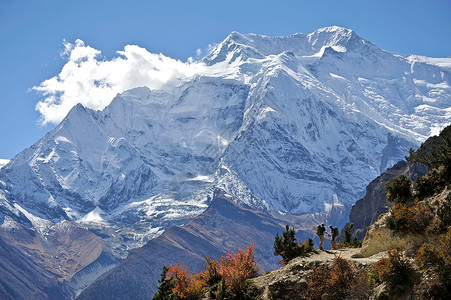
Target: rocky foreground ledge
289,281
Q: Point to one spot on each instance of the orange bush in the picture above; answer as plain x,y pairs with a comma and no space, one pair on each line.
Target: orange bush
187,284
318,282
342,275
339,281
435,262
395,271
211,274
236,268
414,218
227,279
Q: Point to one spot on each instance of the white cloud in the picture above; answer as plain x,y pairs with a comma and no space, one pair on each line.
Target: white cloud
93,81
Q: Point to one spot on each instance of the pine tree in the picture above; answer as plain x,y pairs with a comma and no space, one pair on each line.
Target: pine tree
348,233
287,246
166,285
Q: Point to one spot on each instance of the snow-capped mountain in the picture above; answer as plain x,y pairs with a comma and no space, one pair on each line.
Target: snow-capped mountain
290,125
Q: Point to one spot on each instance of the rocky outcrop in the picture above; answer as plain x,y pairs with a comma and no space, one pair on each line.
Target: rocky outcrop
380,238
367,210
291,281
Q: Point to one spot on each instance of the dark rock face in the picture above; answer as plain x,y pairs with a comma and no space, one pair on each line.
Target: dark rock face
366,210
223,227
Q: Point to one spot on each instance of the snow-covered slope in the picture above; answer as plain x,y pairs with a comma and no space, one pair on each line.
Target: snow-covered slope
292,125
3,162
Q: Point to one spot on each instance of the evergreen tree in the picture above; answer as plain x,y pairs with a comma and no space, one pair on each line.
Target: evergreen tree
166,285
287,246
348,233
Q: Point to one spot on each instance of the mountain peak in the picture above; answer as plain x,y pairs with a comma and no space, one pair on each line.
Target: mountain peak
235,36
257,46
334,36
334,28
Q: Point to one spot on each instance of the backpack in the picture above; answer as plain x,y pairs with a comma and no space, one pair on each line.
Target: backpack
336,231
318,230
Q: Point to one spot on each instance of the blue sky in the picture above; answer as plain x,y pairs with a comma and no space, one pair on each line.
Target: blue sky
32,35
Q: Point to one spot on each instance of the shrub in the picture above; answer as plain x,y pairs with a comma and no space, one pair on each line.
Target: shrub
217,291
342,275
444,213
435,262
422,216
211,275
356,243
360,289
398,218
318,282
228,279
187,284
433,182
431,289
251,291
398,189
423,186
339,281
236,268
396,272
305,246
287,246
414,218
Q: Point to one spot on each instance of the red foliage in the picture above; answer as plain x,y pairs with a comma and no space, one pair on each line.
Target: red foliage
231,273
187,284
236,268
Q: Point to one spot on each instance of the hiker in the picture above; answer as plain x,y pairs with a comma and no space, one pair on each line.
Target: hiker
320,230
333,234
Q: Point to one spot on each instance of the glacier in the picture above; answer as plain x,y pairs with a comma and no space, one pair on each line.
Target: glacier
294,125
